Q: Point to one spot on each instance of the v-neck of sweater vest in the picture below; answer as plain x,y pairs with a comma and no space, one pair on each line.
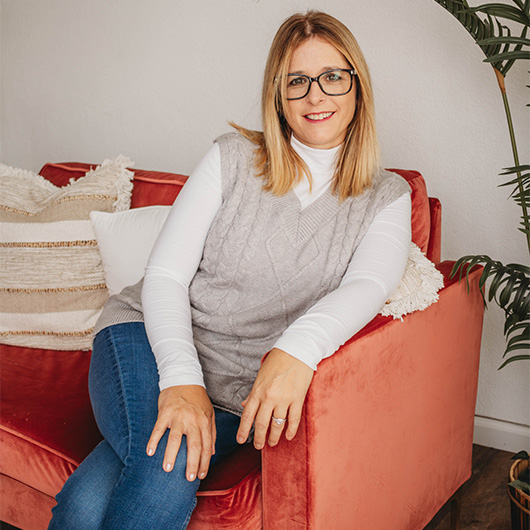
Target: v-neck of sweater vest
299,222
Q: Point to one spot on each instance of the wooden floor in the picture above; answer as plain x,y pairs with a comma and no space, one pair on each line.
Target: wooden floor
485,503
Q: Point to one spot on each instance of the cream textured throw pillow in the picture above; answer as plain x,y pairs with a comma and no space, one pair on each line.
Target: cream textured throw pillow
52,286
418,288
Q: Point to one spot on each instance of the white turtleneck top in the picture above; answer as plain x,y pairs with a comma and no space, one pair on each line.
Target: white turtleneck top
373,274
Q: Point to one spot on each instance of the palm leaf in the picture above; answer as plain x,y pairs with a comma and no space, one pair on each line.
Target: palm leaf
515,169
504,40
508,289
520,295
525,178
525,326
495,283
511,55
520,192
479,29
519,342
493,37
514,358
507,285
503,11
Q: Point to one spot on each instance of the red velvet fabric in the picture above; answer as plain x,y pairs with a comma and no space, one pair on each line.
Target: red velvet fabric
435,239
38,383
421,218
150,187
23,506
231,500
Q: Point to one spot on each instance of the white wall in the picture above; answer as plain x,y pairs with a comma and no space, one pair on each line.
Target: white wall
1,80
158,80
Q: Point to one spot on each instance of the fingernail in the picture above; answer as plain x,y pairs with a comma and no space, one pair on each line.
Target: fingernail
240,439
192,476
202,475
168,467
259,446
150,452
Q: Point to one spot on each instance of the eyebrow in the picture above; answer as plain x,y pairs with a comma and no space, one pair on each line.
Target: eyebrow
324,69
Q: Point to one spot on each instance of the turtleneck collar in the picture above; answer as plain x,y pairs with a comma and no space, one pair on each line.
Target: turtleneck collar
318,160
321,164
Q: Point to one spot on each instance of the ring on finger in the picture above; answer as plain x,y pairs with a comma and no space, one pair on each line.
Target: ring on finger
279,421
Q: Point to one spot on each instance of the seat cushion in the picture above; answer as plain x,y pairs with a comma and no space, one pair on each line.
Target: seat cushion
229,498
22,506
46,415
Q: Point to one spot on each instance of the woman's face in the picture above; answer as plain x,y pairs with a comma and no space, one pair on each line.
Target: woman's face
319,120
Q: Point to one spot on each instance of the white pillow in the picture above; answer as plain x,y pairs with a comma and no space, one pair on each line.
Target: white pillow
125,240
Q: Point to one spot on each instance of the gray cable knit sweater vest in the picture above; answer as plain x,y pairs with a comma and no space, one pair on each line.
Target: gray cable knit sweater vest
265,263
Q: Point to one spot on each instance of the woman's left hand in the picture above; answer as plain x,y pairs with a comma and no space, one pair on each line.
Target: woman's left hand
279,390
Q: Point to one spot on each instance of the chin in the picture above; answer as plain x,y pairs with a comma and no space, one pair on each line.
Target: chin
322,144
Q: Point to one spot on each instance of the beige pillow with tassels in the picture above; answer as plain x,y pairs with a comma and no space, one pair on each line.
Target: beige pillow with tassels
52,287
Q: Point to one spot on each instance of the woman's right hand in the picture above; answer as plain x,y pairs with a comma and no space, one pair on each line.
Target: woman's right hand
185,410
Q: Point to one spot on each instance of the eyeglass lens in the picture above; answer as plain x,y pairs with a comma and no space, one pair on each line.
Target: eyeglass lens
332,83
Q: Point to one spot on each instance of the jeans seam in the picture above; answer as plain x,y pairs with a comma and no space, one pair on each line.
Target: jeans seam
122,390
186,522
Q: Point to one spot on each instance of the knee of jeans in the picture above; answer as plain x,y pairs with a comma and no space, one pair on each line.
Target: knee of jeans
149,472
138,459
151,467
77,509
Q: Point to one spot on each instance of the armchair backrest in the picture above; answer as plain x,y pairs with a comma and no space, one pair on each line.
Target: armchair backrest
156,187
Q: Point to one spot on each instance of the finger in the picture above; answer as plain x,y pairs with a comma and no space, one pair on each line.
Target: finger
261,425
276,429
194,442
172,448
158,431
214,433
206,451
247,419
293,420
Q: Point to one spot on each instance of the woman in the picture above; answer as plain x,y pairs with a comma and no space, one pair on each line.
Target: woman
288,242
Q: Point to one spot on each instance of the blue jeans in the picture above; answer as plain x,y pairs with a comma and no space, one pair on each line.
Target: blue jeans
118,486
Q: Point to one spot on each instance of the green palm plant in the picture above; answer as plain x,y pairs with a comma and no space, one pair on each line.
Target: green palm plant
507,285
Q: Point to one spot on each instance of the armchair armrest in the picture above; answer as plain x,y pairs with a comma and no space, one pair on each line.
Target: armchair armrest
387,428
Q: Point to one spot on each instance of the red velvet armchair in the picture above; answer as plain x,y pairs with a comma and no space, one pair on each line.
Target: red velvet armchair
386,434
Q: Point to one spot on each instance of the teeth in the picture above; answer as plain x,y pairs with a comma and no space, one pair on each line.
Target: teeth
321,116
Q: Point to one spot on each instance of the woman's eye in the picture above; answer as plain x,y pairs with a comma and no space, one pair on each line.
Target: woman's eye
297,81
333,77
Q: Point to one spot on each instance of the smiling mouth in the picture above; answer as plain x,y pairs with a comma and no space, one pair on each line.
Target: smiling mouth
319,117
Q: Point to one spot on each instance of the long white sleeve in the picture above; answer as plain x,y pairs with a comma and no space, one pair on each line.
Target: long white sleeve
373,274
171,267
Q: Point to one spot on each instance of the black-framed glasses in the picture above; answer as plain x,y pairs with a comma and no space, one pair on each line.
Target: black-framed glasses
337,82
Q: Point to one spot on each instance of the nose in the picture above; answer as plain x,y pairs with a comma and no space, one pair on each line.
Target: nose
315,95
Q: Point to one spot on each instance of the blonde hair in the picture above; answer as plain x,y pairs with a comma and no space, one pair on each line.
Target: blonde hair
276,161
